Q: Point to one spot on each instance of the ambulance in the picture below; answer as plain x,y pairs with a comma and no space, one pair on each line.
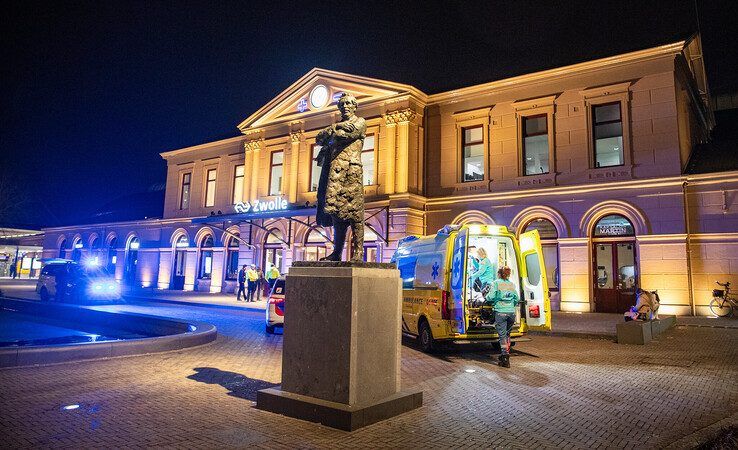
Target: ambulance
444,294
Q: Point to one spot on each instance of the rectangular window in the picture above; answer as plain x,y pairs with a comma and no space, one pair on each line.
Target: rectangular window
210,188
275,173
535,144
184,198
472,143
238,184
367,160
314,169
607,126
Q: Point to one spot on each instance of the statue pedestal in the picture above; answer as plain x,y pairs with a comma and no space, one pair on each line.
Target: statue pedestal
341,346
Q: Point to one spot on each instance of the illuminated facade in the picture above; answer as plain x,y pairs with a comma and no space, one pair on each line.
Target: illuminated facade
592,155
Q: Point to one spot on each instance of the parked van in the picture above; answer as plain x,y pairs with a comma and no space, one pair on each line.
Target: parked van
446,276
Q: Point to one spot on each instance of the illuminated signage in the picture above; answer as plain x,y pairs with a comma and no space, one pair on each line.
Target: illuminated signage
276,204
336,96
302,105
612,230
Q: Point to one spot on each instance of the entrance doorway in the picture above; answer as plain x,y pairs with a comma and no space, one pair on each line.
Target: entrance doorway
615,265
273,250
180,262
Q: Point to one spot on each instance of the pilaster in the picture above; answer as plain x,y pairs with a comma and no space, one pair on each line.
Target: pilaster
295,141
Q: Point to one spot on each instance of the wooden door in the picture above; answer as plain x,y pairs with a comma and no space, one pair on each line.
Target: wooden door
615,275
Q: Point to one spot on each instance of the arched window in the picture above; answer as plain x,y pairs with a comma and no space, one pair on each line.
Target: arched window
232,258
63,249
132,259
112,255
77,250
613,225
314,246
206,257
549,244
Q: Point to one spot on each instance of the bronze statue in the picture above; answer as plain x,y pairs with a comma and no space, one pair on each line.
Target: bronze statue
341,187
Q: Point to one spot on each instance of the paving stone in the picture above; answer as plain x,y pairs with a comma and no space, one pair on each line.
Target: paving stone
560,392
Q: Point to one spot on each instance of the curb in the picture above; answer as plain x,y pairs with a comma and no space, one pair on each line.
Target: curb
169,334
183,302
573,334
704,435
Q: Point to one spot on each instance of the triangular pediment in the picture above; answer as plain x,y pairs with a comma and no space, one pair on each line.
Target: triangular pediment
317,91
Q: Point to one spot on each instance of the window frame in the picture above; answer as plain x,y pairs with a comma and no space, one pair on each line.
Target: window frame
524,135
182,184
312,161
608,94
373,150
235,179
271,170
207,185
462,158
594,124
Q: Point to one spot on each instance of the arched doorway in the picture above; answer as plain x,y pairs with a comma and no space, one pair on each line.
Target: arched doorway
550,245
232,259
63,249
314,246
273,250
77,250
615,265
129,274
112,258
205,266
94,258
180,261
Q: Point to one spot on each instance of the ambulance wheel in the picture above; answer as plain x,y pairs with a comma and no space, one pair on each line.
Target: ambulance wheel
270,329
425,337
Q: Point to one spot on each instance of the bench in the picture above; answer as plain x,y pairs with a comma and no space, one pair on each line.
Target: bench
640,333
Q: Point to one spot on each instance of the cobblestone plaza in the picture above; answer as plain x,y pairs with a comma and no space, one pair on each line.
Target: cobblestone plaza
561,392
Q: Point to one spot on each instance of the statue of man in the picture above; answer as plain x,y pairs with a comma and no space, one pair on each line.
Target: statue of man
341,187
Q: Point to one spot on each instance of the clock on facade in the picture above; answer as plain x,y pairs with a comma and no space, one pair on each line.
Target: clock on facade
319,97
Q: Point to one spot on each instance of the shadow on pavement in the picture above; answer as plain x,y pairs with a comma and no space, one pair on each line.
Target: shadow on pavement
237,385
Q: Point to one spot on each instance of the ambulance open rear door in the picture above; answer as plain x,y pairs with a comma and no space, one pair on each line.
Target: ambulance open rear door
535,285
458,280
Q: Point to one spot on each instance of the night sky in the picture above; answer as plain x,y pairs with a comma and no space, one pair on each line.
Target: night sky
93,92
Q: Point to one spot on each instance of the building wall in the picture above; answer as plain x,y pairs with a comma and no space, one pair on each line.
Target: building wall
685,226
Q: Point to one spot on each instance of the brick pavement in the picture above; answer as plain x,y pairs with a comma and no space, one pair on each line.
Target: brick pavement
561,392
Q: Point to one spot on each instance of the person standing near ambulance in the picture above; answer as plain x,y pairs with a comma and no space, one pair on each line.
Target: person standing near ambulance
504,298
253,277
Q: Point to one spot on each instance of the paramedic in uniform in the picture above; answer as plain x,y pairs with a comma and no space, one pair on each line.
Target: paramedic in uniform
484,272
504,298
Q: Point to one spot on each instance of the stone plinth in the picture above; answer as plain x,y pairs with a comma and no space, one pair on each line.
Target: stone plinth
342,345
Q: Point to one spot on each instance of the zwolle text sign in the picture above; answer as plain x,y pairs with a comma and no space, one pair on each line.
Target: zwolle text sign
276,204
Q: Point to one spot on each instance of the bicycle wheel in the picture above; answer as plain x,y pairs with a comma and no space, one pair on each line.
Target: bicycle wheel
721,307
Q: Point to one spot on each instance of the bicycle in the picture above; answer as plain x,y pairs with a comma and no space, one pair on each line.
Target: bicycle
723,304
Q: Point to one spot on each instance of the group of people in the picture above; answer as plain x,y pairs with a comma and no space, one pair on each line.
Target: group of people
253,282
501,293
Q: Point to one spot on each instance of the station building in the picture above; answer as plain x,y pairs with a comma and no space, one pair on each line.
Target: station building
593,155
